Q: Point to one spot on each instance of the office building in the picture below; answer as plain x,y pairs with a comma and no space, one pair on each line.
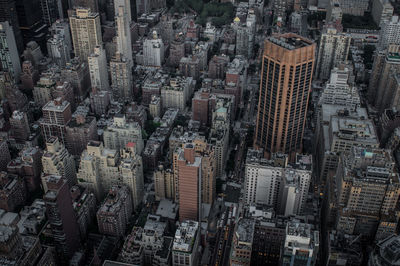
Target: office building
123,22
367,188
381,11
131,171
79,131
121,77
189,179
386,65
97,62
386,252
77,73
333,50
8,12
99,101
51,10
281,117
164,183
155,106
93,5
190,67
56,115
148,245
176,51
29,76
12,192
61,216
301,244
153,51
84,204
85,31
177,93
56,160
115,212
5,156
19,124
121,132
390,32
186,244
9,56
42,91
276,183
242,242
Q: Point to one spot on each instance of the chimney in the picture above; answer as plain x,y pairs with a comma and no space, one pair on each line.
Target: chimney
188,153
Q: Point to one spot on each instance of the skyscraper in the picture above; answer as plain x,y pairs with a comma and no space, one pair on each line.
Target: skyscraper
122,18
61,215
8,12
51,10
189,183
333,50
121,77
286,76
98,69
9,56
85,31
153,51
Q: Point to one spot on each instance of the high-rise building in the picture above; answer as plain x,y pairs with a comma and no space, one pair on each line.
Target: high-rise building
5,156
386,65
61,216
76,72
61,27
121,132
177,93
164,183
79,131
44,88
29,76
121,77
58,50
142,7
333,49
186,244
56,160
390,32
364,190
9,56
51,10
242,242
123,21
20,130
301,244
93,5
8,12
153,51
56,115
275,183
12,192
148,245
115,212
386,252
97,62
285,85
189,179
99,101
381,11
85,31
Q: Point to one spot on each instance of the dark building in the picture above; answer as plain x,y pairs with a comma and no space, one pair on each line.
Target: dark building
62,218
12,192
286,76
8,12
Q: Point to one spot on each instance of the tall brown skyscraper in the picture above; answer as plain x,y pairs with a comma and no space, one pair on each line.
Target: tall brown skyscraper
286,76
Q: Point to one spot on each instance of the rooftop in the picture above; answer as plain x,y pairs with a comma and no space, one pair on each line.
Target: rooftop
290,41
185,236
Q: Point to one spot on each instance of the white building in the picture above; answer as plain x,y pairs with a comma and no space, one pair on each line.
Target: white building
56,160
58,50
101,168
122,18
97,62
275,183
333,49
390,33
177,93
121,132
186,243
153,51
9,56
300,239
